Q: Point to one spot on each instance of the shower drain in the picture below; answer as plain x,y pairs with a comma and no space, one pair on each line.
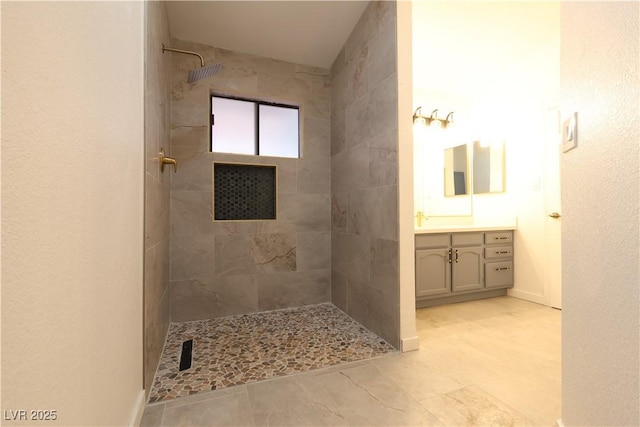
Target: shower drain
186,355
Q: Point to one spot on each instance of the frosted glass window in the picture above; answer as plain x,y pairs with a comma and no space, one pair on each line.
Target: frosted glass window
278,130
254,127
233,127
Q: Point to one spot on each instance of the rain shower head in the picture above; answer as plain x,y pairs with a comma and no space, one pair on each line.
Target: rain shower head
202,72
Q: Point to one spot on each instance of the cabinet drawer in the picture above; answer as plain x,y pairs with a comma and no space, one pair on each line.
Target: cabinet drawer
424,241
494,252
498,274
466,239
491,237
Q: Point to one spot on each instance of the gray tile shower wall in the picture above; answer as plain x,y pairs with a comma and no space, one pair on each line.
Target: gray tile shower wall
227,268
364,171
157,186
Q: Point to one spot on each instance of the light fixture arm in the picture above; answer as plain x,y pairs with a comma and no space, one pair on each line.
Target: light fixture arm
433,118
448,120
417,114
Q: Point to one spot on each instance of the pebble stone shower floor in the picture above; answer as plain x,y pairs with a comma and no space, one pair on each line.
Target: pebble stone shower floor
253,347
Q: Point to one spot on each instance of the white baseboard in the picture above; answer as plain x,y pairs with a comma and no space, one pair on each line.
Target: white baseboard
559,422
538,299
138,410
409,344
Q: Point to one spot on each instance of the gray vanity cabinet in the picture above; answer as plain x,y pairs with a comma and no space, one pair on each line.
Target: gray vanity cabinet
448,263
453,267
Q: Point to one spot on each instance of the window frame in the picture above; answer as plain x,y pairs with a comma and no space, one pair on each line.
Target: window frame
257,103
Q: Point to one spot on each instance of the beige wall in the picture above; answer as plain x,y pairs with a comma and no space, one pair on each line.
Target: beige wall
72,211
225,268
600,223
406,259
499,73
157,136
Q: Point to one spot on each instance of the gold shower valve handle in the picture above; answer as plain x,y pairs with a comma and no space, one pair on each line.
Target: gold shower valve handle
555,215
164,160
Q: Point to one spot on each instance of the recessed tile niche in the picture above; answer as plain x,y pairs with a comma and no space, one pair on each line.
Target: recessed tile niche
244,192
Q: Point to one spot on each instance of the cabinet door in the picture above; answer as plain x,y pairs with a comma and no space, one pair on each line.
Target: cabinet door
467,269
433,272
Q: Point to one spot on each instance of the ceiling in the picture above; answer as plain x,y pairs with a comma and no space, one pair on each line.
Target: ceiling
457,45
460,46
303,32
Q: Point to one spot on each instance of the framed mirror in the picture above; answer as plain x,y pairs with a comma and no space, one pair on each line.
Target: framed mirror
429,195
488,168
456,171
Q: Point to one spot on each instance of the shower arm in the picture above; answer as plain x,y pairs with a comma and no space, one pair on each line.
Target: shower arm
188,52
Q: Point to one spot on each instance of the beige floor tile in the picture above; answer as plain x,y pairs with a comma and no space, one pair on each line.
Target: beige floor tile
285,402
416,377
230,410
200,397
358,396
483,363
512,352
152,416
472,406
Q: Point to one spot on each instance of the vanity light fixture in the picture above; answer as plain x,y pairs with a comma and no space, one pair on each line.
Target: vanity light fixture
432,120
418,118
448,121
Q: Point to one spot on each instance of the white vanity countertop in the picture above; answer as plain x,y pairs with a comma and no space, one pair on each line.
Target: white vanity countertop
461,228
478,225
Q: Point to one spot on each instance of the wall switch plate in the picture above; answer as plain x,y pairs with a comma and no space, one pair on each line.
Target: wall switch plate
534,183
570,132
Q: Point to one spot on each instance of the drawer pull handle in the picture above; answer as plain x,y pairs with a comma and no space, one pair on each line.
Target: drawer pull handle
502,238
456,256
502,252
503,268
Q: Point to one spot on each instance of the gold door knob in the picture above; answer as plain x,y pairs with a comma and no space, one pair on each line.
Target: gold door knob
555,215
164,160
